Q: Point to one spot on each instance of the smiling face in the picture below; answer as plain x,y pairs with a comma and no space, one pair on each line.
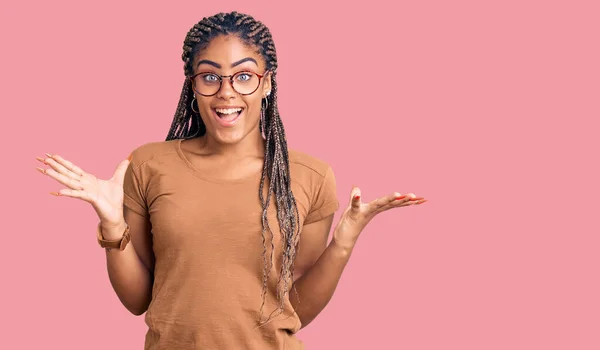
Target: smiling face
232,111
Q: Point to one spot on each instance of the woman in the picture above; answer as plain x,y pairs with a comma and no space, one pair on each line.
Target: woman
219,233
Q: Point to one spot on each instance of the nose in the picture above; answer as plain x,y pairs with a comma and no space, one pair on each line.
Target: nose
226,91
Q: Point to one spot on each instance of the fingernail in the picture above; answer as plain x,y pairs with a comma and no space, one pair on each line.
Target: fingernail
41,170
416,199
422,201
400,197
49,155
130,157
41,159
55,193
356,198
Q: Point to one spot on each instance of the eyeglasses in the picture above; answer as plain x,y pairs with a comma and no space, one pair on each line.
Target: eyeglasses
208,83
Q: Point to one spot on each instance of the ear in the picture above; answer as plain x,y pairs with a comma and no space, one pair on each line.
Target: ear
267,84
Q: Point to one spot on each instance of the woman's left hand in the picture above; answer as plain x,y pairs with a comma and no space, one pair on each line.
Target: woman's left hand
358,214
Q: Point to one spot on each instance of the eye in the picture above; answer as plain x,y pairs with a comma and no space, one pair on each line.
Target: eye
210,78
242,77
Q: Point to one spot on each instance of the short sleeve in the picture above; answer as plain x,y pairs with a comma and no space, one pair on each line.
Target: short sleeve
134,194
325,201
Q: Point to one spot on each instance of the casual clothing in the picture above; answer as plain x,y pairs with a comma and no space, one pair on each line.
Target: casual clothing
208,249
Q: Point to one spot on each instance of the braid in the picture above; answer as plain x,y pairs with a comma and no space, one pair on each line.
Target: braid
276,168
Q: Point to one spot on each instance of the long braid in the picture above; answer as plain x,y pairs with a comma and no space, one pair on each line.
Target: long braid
276,169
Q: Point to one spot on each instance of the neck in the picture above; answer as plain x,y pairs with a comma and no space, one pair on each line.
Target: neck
252,145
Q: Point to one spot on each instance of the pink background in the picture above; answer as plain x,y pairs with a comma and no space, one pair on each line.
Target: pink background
488,109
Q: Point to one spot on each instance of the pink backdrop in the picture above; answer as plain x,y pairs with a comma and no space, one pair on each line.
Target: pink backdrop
489,110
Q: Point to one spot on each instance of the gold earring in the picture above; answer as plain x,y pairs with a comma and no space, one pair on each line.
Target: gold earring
192,105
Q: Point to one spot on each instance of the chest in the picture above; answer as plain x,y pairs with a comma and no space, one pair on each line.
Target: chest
198,221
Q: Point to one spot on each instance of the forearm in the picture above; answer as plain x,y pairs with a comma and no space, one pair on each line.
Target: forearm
317,285
129,277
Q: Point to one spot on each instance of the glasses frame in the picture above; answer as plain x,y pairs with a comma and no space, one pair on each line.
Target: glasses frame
260,76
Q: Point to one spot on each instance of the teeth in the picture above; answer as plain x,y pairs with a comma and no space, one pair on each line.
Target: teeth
228,110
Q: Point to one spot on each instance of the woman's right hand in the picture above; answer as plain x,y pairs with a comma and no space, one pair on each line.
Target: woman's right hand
106,196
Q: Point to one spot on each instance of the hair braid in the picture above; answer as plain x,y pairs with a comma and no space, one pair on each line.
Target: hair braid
276,169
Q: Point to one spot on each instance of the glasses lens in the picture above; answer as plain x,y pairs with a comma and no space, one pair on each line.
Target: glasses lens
245,82
207,83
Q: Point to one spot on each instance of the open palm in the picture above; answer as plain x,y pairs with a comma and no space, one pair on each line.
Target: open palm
106,196
358,214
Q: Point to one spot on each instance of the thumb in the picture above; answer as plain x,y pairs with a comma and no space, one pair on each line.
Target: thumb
119,174
355,196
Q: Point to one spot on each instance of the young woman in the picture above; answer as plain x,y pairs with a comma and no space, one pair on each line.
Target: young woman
219,233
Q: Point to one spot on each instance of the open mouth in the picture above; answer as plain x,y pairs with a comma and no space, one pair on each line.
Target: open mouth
228,116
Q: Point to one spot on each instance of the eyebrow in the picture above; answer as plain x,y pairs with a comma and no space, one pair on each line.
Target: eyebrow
237,63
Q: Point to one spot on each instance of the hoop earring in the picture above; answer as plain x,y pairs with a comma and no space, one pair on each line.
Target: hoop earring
192,105
197,127
263,111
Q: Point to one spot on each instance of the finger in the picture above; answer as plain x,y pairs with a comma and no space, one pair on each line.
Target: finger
61,169
411,196
397,200
405,199
63,179
416,199
413,200
83,195
119,174
355,196
67,164
381,203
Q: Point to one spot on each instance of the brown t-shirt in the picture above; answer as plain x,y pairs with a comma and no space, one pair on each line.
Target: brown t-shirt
208,246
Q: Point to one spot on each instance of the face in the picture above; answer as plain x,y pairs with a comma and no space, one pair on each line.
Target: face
232,112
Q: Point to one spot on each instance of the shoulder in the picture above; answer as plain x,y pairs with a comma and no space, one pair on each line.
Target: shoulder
304,163
149,151
315,177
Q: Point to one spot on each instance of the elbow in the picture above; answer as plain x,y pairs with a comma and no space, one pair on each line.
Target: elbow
137,307
137,310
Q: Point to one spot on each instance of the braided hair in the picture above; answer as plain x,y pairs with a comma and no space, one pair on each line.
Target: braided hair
188,124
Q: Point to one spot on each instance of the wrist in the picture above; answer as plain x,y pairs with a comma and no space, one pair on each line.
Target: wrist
113,232
342,248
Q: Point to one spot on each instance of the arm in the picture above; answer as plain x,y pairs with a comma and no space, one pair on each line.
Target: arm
321,267
131,271
318,269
